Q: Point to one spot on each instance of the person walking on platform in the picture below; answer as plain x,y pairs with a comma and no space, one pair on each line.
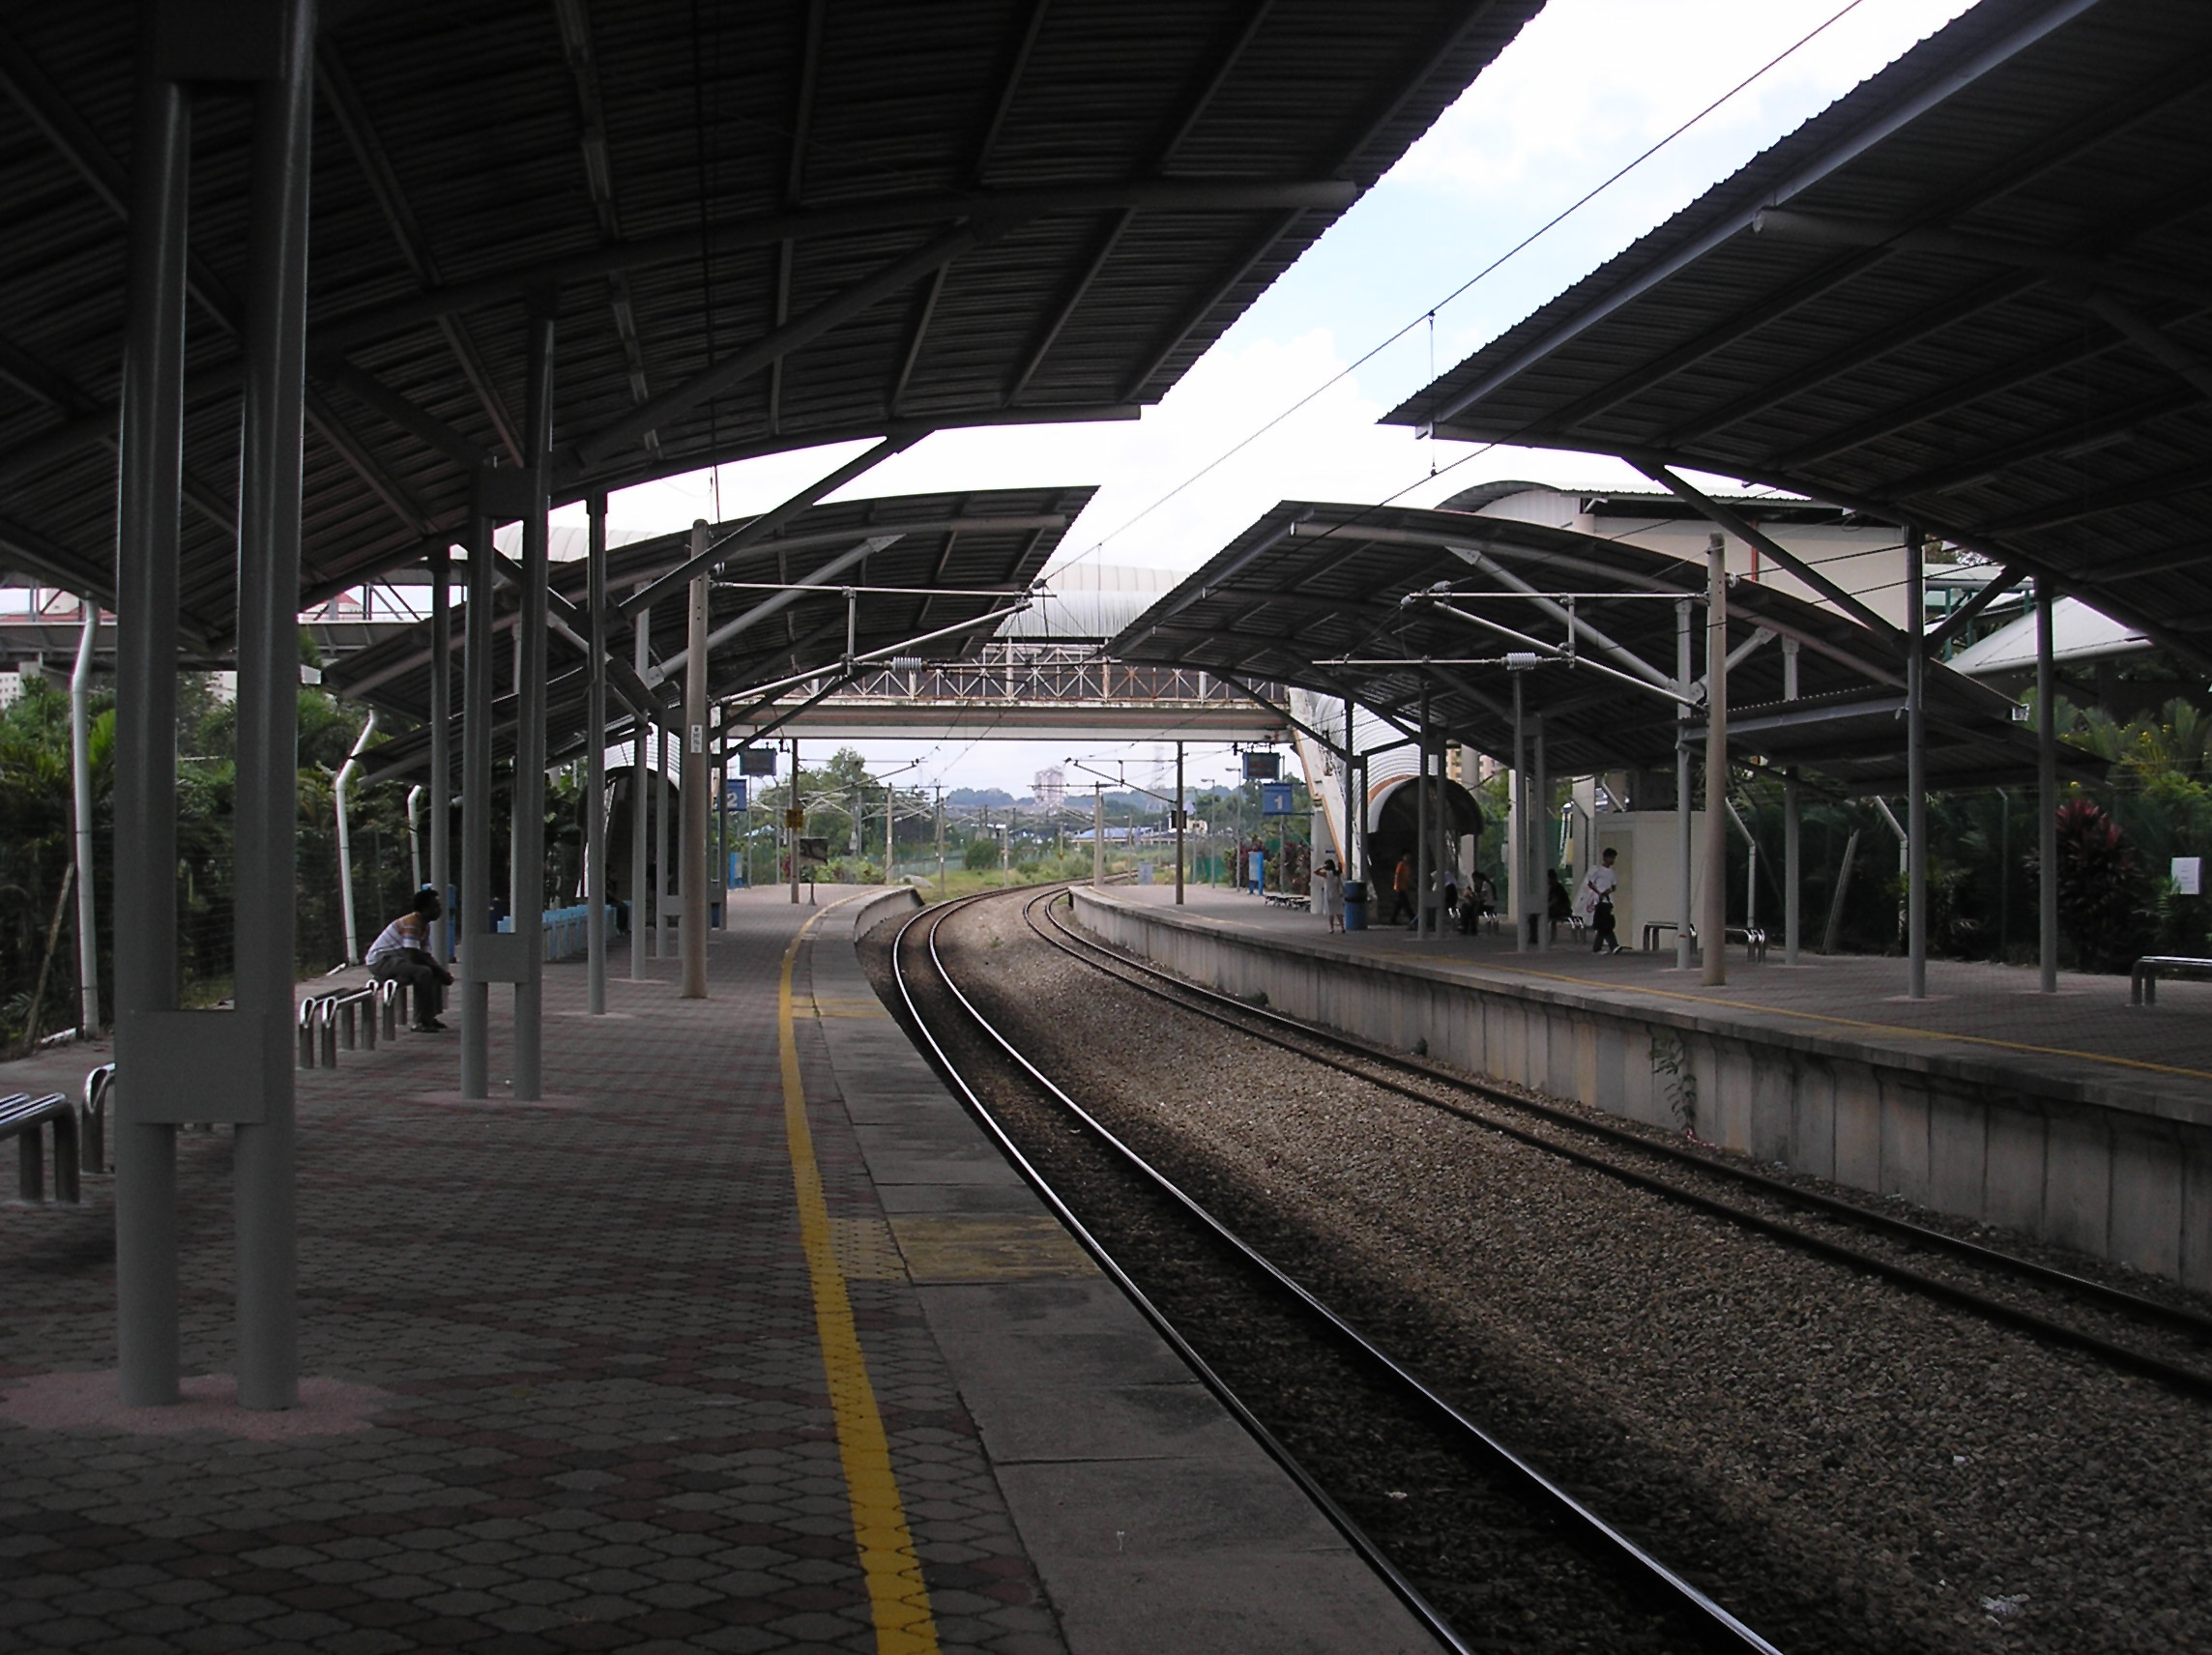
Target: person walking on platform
1330,884
1599,888
1402,891
401,953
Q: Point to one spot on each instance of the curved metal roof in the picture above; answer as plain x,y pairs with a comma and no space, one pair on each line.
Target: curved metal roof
1337,598
1971,295
759,227
887,570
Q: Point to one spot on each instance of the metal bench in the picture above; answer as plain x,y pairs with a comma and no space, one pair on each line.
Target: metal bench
24,1118
357,1011
1753,937
2143,977
92,1117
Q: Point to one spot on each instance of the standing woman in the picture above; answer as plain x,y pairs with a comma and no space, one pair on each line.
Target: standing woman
1331,893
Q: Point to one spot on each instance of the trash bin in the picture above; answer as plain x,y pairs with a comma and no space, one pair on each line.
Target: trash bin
1356,905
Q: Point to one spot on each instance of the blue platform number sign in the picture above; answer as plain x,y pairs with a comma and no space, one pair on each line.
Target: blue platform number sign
1275,799
734,794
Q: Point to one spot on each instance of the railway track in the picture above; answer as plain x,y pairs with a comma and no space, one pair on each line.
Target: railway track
1547,1127
969,1048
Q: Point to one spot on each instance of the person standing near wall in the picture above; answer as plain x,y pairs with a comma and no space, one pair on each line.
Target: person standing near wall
1599,888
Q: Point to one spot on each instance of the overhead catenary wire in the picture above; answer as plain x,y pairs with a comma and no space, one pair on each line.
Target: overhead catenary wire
1428,314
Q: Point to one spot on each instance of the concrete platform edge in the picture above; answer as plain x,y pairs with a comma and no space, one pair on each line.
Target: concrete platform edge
1152,1519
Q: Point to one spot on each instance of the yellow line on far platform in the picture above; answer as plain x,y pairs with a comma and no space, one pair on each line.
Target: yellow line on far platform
897,1594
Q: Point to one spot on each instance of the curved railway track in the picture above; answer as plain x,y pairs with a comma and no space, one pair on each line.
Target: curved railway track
1437,1087
955,1031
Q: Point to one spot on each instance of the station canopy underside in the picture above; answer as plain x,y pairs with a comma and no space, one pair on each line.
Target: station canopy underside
947,559
1317,595
758,228
1975,294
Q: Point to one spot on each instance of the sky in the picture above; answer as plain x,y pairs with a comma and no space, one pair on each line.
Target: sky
1587,87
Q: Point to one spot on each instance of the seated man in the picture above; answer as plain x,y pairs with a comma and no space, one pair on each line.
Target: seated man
401,953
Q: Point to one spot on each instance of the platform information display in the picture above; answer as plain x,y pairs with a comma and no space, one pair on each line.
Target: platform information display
756,761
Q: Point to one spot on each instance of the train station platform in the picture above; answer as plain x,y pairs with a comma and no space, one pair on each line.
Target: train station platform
2076,1118
743,1338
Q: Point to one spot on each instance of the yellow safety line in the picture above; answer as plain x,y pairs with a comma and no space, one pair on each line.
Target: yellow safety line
896,1593
1903,1028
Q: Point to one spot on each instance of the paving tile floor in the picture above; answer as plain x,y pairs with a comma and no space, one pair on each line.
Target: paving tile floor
605,1423
568,1365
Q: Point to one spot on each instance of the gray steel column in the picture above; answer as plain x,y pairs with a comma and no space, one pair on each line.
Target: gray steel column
1713,924
722,851
476,811
1517,822
640,875
1098,838
663,875
148,497
791,833
692,935
1793,859
526,865
596,772
1179,824
1540,840
1353,797
1916,766
1421,860
1684,836
2045,790
442,746
268,787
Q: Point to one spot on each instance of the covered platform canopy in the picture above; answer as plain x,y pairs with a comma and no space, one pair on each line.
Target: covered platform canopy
1388,606
752,228
878,574
1970,295
302,294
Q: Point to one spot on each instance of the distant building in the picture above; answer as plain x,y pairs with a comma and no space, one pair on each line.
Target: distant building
1051,788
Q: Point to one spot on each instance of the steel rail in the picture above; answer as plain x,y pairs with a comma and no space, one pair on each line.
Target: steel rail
1716,1625
1372,1554
1243,1014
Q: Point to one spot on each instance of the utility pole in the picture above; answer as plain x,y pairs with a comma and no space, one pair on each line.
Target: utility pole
940,839
1098,834
794,820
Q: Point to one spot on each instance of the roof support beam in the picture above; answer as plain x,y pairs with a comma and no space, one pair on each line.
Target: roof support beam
1743,529
776,602
2154,341
335,83
1574,623
795,172
2077,507
408,416
1960,619
853,218
598,179
1829,230
892,278
768,522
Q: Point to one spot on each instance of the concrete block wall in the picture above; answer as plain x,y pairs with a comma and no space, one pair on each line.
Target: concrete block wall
1988,1142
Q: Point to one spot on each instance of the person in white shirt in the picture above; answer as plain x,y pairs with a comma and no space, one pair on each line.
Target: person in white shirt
1598,888
401,953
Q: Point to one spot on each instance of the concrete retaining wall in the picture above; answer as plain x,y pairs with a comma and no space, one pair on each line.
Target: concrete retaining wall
1985,1141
